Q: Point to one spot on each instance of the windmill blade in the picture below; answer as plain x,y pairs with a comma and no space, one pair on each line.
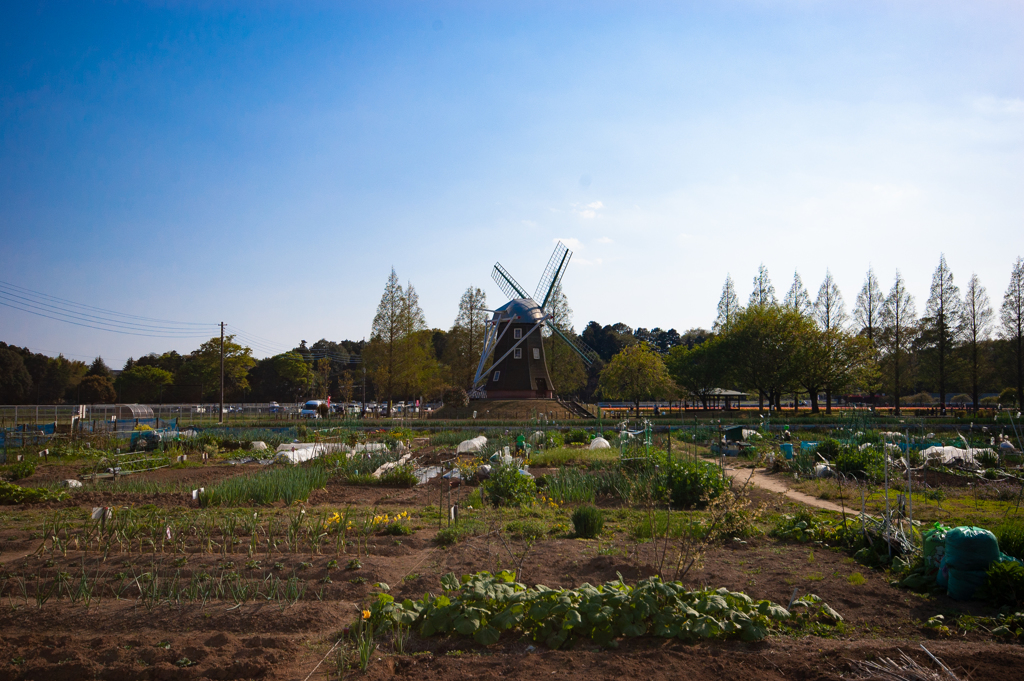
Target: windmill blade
509,286
581,348
557,263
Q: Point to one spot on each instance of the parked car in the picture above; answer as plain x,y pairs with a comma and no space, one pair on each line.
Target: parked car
311,409
275,408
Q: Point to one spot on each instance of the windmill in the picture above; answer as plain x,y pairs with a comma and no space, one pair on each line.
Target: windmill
513,337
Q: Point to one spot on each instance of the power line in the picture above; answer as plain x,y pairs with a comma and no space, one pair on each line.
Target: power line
37,294
101,328
35,303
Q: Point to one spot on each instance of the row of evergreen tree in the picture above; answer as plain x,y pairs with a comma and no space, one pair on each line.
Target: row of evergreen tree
958,344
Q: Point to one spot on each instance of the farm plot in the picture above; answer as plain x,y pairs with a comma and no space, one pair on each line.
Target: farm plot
275,570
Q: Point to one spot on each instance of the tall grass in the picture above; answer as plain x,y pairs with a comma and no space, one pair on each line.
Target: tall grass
571,485
1011,538
561,456
449,438
286,483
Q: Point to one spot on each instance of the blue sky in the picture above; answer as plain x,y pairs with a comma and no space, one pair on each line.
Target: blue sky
268,166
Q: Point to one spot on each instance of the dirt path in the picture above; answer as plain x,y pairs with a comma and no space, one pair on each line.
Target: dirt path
771,484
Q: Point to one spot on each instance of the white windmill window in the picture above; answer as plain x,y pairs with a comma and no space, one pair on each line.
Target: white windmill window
536,353
517,333
497,375
519,353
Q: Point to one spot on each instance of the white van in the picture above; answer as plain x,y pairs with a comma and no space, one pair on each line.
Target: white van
310,410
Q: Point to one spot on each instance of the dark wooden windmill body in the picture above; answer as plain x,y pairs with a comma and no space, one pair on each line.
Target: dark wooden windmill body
524,372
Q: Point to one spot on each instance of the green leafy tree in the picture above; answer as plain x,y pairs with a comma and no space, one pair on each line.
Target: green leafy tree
168,361
99,368
701,369
143,383
291,374
764,344
15,379
635,374
96,390
61,380
202,368
812,363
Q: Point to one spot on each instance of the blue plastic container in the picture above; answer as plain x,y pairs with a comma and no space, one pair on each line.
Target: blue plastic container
787,449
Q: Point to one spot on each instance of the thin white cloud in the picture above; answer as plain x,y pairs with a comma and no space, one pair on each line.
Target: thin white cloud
528,223
573,244
605,240
999,105
588,211
583,261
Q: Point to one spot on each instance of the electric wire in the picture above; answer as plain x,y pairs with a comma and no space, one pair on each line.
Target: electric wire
35,303
64,303
102,328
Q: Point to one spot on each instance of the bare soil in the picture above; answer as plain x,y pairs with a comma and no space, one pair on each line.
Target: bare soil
124,639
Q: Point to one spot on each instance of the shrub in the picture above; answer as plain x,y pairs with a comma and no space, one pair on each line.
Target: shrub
396,529
507,486
577,437
587,521
693,483
1011,539
400,476
526,529
987,459
1006,583
14,494
867,463
456,533
455,396
1008,397
919,398
830,448
447,438
20,470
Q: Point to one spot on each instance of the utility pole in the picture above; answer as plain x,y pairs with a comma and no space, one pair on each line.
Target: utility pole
222,372
363,415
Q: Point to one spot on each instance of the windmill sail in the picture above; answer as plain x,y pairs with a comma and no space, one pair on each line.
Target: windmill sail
557,263
509,286
582,349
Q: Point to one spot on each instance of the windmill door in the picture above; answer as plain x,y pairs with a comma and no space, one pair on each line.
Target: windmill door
542,387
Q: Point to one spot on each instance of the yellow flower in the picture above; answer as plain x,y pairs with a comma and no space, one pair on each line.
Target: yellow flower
366,614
